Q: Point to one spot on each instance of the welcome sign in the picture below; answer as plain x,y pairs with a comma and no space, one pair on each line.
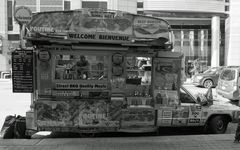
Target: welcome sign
97,25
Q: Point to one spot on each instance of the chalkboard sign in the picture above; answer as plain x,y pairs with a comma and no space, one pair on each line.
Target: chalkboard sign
22,71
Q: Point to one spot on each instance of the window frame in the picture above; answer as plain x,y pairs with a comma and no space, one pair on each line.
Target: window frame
106,69
189,94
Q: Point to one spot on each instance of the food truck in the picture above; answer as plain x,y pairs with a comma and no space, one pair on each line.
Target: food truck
104,71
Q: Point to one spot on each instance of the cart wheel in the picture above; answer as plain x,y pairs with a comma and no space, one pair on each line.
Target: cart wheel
218,124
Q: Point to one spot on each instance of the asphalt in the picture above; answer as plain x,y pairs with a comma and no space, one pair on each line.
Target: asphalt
179,142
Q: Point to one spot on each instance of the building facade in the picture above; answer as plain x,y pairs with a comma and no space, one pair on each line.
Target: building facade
201,27
198,26
9,29
232,54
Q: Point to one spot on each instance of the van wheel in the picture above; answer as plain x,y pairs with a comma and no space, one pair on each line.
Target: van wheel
208,83
218,124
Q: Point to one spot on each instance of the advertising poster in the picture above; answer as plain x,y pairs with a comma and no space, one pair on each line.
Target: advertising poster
93,113
82,21
150,27
195,115
166,82
166,97
166,74
138,117
180,116
167,117
97,25
54,113
78,113
161,97
44,75
115,110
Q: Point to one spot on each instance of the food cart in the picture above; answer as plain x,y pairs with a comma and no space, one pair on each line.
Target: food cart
101,71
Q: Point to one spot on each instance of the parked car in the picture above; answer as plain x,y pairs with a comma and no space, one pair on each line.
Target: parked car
211,114
228,83
208,78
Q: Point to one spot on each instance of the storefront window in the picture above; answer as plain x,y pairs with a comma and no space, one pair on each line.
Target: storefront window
81,67
186,34
177,34
193,43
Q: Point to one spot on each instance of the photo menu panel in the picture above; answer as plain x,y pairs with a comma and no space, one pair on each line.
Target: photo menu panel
22,71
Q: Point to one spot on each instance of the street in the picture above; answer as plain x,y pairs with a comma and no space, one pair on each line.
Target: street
19,103
182,142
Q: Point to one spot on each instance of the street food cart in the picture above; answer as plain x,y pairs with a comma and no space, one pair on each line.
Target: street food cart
101,71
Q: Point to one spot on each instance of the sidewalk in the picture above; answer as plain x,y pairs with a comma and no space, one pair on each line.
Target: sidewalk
5,80
179,142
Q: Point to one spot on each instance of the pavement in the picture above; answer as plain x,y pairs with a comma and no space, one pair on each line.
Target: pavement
176,142
5,80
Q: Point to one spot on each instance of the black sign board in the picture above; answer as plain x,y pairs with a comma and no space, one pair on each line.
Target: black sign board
22,71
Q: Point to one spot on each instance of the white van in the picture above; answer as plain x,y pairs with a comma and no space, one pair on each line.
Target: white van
228,83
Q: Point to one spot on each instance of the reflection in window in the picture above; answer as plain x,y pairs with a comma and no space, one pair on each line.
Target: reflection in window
81,67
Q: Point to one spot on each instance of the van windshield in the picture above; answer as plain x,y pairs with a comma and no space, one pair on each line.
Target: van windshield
228,75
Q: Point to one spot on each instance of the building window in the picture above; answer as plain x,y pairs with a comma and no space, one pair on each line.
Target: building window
227,1
226,8
94,4
13,37
140,12
194,42
139,4
67,5
10,15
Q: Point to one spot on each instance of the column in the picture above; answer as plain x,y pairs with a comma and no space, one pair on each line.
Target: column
215,48
38,6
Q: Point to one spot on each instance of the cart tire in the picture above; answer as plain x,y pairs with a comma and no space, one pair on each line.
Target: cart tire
218,125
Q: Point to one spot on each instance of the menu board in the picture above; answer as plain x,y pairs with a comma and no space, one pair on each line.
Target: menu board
22,71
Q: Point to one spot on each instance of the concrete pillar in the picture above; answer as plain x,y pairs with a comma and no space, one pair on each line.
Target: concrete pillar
215,48
38,6
233,49
3,33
